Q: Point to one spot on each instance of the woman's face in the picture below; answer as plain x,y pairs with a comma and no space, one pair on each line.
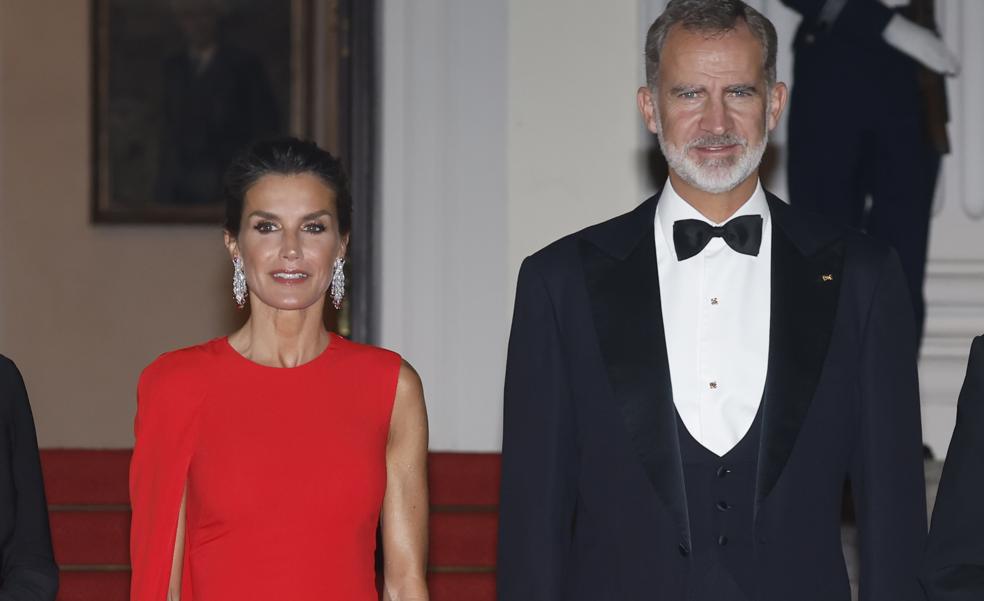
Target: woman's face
288,240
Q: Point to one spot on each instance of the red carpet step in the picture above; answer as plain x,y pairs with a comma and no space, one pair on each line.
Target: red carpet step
467,479
86,477
464,539
90,522
473,586
94,585
91,537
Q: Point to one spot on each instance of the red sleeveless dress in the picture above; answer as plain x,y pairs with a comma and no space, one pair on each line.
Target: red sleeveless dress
285,469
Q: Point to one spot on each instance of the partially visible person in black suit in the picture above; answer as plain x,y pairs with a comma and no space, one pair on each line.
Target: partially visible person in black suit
689,385
27,566
868,118
954,565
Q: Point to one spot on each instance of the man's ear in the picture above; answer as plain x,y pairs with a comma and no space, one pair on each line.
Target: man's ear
779,95
647,108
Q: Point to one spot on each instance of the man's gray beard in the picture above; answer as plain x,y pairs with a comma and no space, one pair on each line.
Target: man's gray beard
714,176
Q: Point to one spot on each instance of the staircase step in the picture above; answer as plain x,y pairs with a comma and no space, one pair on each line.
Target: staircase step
94,586
464,478
451,586
463,539
86,476
91,537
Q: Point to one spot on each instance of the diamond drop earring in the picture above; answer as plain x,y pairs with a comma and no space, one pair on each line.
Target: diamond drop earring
239,281
337,288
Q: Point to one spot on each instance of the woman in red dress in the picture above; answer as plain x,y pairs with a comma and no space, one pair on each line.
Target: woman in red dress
265,460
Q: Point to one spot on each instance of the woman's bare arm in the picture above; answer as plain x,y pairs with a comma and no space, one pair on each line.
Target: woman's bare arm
405,504
174,587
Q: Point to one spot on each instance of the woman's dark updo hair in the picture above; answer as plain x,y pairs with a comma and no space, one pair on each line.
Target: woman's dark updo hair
284,156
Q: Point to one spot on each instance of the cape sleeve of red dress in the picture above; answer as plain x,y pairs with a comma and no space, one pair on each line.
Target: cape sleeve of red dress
169,394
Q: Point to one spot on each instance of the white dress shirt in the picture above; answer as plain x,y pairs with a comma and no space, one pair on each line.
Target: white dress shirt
716,315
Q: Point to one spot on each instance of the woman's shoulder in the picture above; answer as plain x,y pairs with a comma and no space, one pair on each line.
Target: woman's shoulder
367,353
182,365
172,387
379,372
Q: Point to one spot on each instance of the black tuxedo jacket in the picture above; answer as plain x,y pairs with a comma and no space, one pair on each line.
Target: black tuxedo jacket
593,505
954,566
27,567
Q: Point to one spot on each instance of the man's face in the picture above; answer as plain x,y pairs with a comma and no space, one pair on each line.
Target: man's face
712,111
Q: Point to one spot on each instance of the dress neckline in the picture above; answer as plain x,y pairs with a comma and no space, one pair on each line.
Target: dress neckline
334,341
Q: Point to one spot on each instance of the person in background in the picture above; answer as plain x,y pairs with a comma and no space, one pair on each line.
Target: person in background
953,569
266,459
689,385
868,119
216,99
27,565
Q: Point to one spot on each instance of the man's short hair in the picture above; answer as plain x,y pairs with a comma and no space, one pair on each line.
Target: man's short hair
711,17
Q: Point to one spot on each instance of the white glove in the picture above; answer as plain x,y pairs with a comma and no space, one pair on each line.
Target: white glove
895,3
921,44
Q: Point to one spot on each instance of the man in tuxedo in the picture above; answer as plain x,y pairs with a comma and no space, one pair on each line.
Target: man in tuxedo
690,384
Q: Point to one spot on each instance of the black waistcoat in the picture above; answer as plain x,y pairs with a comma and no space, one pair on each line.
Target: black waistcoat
720,501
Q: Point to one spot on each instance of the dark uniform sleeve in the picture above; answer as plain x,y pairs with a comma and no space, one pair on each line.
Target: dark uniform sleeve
538,452
29,572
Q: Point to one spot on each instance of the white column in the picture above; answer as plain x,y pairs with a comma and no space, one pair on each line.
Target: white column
442,213
505,125
575,149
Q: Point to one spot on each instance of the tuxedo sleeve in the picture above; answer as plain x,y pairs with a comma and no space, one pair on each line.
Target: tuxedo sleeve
28,569
887,470
538,452
954,566
862,21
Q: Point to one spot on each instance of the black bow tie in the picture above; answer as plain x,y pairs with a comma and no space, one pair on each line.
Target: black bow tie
742,234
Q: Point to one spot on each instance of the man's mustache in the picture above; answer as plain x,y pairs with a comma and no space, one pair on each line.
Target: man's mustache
722,140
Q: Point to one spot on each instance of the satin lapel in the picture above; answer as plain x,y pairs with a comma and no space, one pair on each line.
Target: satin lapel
628,319
805,291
